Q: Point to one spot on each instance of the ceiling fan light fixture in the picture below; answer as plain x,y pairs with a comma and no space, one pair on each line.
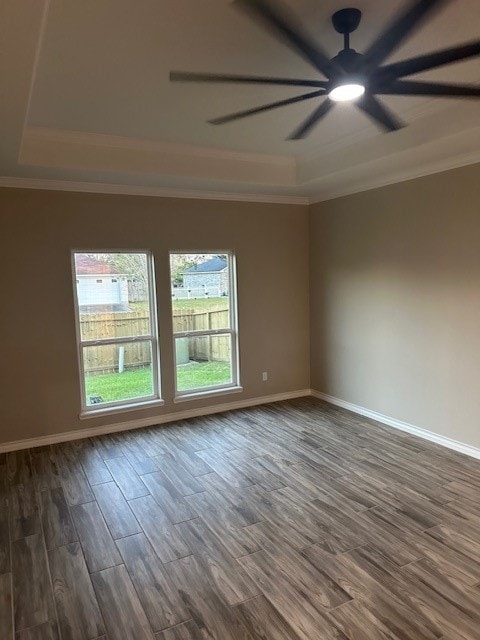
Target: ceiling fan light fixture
346,92
350,75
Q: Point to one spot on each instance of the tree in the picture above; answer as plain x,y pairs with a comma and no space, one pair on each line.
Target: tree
133,265
180,262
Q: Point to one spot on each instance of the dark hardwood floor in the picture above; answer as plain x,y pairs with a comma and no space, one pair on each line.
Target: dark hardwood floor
292,521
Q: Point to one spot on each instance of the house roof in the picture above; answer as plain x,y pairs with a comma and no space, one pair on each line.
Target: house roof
88,266
212,265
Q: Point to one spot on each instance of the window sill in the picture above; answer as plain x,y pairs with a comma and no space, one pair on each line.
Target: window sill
105,411
199,395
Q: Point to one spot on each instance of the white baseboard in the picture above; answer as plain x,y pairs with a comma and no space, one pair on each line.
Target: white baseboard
398,424
129,425
80,434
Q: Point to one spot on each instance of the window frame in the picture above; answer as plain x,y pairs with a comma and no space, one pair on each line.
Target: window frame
234,385
129,404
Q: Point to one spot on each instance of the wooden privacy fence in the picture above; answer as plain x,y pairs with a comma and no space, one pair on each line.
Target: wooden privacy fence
105,358
205,348
188,320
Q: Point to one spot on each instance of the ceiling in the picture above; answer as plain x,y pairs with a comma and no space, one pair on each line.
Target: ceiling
86,103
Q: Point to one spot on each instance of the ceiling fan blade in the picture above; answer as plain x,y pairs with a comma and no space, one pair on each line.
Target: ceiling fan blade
402,27
267,107
187,76
283,24
429,61
379,113
407,88
312,120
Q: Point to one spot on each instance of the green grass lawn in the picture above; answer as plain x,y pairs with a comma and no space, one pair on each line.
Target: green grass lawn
138,383
120,386
200,304
196,375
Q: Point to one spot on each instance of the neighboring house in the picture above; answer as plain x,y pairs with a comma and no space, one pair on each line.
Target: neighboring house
212,273
100,286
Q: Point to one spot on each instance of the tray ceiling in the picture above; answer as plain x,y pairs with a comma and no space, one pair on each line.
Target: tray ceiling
87,99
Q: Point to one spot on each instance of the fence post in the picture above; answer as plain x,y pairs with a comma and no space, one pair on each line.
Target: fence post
121,359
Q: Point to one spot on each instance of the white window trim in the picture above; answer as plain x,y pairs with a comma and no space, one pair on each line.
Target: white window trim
210,392
129,404
234,385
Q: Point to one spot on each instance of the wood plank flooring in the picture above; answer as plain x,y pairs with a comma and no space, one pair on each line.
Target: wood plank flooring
291,521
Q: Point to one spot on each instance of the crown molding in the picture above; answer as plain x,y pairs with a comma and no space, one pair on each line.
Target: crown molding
190,194
397,177
36,63
45,134
378,167
61,149
153,192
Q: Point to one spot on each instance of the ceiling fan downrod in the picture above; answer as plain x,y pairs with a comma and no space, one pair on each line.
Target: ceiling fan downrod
346,21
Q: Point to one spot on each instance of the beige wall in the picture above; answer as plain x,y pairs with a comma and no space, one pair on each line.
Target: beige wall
394,298
395,301
39,374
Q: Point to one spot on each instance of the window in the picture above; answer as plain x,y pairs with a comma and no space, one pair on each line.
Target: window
204,323
116,329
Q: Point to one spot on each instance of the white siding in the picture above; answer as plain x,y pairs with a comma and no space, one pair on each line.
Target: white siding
100,290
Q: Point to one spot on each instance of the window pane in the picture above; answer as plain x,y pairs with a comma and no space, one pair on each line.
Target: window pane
203,361
200,291
116,372
113,295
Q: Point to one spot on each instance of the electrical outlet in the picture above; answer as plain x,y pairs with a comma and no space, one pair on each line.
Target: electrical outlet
265,376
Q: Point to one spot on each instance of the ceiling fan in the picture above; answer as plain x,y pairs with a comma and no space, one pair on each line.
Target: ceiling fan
350,76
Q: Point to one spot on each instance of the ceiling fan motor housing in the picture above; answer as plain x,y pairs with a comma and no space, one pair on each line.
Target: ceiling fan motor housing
348,59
